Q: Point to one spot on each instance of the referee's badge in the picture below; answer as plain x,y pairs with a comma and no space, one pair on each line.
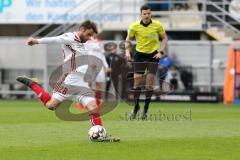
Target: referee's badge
152,36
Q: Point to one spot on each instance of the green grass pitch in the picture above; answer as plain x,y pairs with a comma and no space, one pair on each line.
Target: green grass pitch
207,132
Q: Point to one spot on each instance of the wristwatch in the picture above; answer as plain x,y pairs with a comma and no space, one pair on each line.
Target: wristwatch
162,52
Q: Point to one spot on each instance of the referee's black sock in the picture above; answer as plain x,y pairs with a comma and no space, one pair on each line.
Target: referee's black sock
136,106
147,100
137,92
146,105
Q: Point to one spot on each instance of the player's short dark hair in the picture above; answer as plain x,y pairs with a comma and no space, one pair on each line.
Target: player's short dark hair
144,7
89,25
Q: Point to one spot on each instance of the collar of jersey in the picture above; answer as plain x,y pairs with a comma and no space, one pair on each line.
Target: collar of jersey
145,25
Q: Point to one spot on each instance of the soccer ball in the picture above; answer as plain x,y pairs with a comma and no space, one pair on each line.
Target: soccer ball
97,133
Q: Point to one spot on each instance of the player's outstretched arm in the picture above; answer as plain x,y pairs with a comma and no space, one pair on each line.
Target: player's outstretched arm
32,41
66,38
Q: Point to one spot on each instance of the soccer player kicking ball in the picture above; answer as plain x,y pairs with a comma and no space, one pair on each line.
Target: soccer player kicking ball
72,46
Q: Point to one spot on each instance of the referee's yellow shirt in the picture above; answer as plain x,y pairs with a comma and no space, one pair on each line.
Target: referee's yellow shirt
147,37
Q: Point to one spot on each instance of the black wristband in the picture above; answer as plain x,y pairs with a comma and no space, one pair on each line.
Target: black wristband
162,53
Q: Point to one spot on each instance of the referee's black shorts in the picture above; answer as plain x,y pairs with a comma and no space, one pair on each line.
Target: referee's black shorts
145,63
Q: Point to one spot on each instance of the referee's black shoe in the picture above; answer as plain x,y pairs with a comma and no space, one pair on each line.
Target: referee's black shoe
134,112
144,116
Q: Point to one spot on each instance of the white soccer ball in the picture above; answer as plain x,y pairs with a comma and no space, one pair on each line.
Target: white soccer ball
97,133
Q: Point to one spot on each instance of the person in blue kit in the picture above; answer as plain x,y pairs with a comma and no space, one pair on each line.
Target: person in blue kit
163,65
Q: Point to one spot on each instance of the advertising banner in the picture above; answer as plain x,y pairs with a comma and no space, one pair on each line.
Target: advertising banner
51,11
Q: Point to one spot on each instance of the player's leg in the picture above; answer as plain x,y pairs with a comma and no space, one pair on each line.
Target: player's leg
44,97
98,93
152,69
139,69
33,84
53,103
136,91
100,81
148,94
93,110
95,118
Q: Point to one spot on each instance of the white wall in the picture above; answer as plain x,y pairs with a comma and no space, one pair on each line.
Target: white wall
15,54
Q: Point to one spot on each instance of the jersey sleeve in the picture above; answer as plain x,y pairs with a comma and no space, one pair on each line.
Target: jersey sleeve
131,30
66,38
161,29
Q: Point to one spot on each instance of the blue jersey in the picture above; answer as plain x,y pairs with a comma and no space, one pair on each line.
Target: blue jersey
164,62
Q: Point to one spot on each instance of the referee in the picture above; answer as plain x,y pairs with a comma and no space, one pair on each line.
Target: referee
147,33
